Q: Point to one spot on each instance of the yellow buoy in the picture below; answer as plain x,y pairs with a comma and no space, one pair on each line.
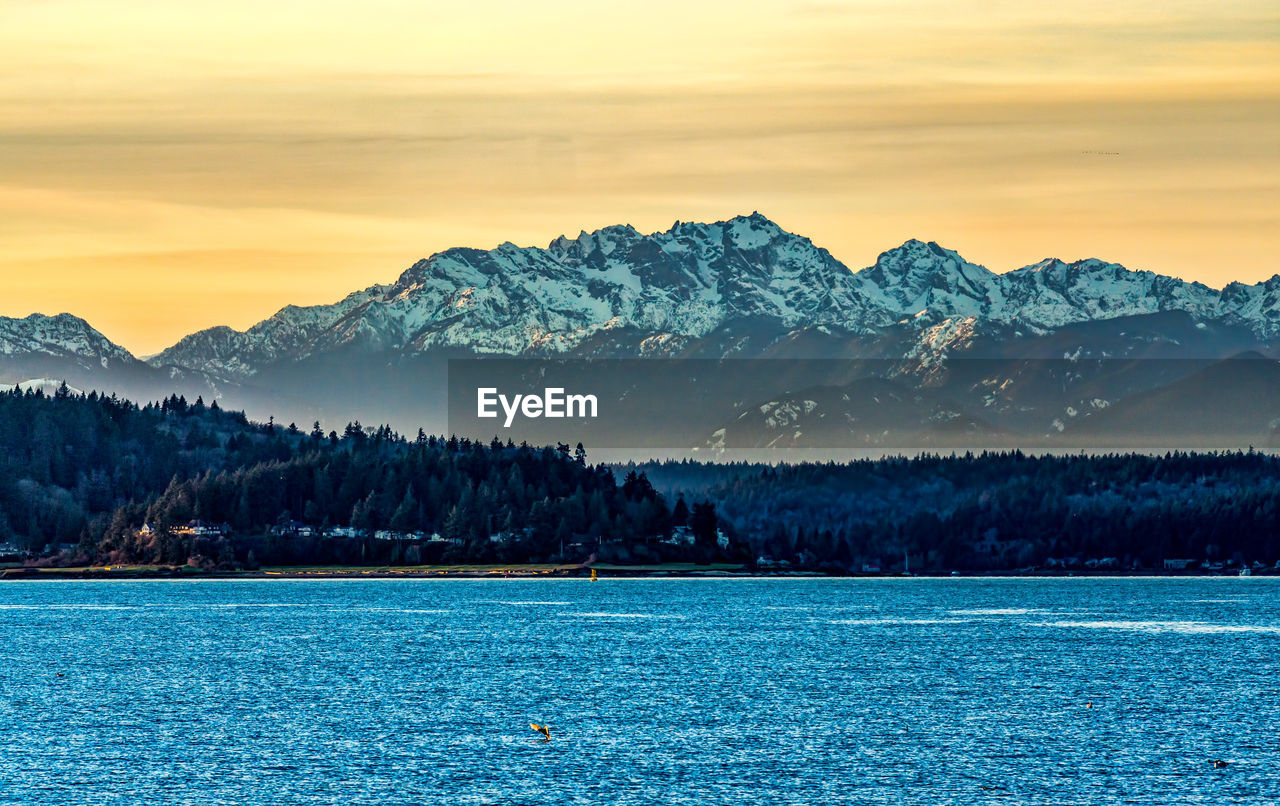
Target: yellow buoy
593,575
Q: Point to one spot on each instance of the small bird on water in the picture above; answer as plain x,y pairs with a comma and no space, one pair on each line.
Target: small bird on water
1219,764
546,734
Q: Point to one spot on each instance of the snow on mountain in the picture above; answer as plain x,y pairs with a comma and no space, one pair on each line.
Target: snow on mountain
930,283
954,333
684,282
666,288
1051,293
1255,306
61,336
292,332
48,386
918,277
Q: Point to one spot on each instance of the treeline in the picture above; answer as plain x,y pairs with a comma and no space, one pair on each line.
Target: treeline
67,462
996,511
426,501
82,474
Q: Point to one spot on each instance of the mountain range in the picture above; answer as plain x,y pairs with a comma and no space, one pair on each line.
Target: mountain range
741,288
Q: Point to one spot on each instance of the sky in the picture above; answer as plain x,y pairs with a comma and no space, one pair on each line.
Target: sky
166,167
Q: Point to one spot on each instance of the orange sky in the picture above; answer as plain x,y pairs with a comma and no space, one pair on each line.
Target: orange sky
171,166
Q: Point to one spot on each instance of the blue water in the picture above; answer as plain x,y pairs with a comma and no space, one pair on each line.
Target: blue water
656,691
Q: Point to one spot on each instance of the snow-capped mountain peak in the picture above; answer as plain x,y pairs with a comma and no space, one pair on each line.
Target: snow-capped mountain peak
919,276
1052,293
1255,306
62,335
683,282
659,291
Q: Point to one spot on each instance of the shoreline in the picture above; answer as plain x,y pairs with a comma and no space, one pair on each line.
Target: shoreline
676,571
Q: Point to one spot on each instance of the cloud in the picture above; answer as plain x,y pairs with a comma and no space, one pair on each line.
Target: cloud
355,140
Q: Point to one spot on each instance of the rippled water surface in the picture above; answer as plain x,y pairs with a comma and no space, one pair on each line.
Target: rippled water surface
656,691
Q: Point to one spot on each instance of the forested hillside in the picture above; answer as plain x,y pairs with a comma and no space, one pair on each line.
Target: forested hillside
998,510
67,462
213,489
86,478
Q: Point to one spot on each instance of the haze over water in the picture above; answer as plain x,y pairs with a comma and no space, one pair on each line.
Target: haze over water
656,691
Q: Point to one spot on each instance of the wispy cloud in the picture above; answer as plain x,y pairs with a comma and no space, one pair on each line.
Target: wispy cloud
327,145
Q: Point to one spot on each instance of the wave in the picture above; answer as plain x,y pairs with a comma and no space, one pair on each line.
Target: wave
827,608
66,607
251,604
384,610
998,611
620,615
871,621
1183,627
